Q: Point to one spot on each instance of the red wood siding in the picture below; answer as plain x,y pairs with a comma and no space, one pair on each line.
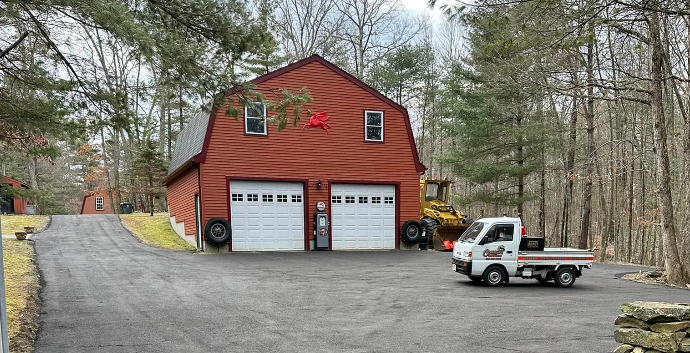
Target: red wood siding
89,204
181,193
19,203
311,153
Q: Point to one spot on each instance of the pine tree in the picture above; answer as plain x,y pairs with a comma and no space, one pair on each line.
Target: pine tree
400,73
265,55
491,114
148,170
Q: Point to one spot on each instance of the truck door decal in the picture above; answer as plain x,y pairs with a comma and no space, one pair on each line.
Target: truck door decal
494,254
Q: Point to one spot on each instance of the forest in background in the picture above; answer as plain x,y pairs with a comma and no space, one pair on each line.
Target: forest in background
572,114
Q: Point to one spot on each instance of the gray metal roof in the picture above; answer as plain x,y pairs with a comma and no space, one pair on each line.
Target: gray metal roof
190,140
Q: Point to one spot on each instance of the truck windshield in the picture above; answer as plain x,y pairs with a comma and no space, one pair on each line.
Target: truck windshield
471,234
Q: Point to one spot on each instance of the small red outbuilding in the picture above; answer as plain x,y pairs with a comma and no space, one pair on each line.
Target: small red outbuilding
8,203
264,183
96,203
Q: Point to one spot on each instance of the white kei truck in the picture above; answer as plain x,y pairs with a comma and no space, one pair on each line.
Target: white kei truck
494,249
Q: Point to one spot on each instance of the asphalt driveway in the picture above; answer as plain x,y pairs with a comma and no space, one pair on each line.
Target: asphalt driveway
106,292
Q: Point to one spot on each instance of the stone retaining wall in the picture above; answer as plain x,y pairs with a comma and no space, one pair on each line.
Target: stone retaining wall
650,327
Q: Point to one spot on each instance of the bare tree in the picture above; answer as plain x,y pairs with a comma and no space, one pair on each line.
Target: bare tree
308,27
374,28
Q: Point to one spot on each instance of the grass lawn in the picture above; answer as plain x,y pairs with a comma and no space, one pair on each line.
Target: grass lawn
16,223
21,285
154,231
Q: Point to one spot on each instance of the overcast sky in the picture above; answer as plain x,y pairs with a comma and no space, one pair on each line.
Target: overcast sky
420,6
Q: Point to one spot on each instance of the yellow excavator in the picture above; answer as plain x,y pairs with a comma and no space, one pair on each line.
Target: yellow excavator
438,217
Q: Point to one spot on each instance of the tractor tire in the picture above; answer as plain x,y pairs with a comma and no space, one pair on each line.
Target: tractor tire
411,232
494,276
565,277
217,232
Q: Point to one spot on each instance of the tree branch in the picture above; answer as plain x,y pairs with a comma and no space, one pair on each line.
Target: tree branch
14,45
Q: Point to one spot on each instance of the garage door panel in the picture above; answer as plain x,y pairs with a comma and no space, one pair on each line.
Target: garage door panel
267,218
360,218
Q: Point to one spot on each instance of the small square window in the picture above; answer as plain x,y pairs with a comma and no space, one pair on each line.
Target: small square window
363,199
376,199
388,200
267,198
336,199
296,198
237,197
349,199
373,125
253,197
282,198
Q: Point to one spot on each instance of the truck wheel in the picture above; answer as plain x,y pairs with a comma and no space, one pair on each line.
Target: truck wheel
217,231
411,232
494,276
565,277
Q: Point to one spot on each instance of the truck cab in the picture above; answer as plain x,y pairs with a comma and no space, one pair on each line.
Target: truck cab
494,249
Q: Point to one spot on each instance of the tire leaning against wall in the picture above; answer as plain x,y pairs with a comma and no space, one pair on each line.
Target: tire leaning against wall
217,231
411,232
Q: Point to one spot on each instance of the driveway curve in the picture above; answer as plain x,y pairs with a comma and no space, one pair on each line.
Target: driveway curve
104,291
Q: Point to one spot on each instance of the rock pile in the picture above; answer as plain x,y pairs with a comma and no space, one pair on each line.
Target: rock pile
650,327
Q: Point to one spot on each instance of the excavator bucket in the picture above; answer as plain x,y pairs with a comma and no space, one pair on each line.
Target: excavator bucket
445,238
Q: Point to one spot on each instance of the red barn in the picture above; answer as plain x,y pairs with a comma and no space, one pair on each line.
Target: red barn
264,184
8,203
96,203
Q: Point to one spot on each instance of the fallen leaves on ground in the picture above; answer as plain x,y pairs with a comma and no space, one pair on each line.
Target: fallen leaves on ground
652,277
21,285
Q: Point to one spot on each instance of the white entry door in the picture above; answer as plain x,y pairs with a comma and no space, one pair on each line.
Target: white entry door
363,216
266,215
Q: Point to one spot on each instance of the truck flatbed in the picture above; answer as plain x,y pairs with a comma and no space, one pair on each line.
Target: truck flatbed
556,254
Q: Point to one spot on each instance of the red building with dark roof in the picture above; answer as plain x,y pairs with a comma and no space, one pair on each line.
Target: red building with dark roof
243,178
11,204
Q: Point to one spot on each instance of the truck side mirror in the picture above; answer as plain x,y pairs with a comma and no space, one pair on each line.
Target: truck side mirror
483,241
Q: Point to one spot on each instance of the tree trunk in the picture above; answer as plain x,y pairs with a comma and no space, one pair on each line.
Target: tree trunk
569,171
675,270
163,109
169,123
116,168
151,188
589,116
107,171
182,115
33,175
631,192
521,178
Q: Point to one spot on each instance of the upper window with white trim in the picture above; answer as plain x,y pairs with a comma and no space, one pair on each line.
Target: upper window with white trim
255,118
373,125
99,203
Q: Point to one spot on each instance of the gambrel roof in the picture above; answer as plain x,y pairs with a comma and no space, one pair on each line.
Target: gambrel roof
192,142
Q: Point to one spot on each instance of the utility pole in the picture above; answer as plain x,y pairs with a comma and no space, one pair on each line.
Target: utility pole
3,303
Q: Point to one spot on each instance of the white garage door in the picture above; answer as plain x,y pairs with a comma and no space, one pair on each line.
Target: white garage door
363,216
266,215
